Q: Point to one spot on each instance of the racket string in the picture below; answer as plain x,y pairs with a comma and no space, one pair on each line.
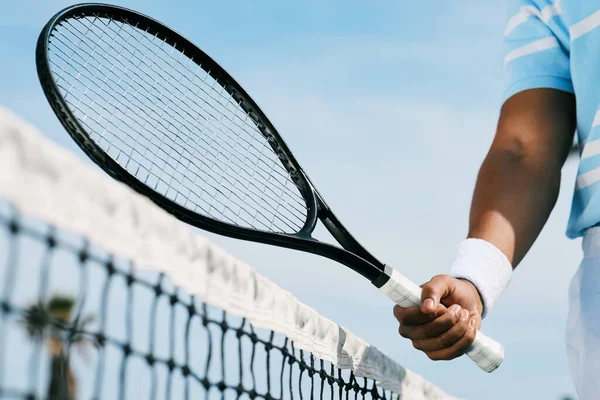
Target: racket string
158,121
226,132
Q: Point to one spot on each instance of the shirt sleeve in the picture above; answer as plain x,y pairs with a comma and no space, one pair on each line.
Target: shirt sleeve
534,56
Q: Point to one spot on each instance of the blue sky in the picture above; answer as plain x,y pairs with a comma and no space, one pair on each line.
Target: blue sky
390,107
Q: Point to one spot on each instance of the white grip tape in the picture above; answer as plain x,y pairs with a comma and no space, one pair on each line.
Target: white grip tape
485,352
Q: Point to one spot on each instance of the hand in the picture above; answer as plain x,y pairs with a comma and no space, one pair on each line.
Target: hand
442,334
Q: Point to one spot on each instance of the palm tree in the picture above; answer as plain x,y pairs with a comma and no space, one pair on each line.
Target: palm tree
51,322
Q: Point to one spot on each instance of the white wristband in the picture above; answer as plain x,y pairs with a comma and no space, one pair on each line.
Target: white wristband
484,265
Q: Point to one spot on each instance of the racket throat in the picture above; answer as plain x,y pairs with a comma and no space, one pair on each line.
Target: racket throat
346,240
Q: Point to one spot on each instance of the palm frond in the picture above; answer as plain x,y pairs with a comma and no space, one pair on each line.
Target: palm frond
85,321
37,319
61,303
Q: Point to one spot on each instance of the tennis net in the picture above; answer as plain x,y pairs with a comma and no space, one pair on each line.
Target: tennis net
105,296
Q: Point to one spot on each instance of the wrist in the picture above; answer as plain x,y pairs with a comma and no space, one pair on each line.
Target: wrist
485,267
476,295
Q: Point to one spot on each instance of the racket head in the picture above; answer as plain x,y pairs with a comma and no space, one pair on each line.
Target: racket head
103,69
297,186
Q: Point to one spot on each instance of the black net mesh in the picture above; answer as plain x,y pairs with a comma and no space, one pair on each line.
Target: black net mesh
78,323
170,124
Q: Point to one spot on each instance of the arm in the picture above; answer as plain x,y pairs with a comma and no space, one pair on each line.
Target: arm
519,180
516,190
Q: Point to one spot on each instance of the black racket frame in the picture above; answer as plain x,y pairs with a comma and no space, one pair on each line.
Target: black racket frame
352,254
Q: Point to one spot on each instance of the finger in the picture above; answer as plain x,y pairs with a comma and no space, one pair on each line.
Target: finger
433,291
432,329
412,315
446,339
457,349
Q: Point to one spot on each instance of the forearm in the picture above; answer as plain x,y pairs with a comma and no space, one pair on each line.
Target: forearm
514,196
516,188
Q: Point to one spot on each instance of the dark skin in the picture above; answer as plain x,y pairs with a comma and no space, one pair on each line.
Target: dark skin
516,190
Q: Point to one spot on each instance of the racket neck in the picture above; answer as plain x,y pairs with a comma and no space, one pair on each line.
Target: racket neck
345,239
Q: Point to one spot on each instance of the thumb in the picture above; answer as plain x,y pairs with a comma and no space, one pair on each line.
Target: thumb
433,291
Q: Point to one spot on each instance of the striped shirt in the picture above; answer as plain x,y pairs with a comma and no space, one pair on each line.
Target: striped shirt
556,44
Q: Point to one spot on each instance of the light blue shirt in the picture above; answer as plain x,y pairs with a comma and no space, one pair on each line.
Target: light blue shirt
556,44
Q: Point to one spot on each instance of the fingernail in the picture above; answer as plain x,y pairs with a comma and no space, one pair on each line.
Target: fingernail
472,324
456,309
464,316
428,303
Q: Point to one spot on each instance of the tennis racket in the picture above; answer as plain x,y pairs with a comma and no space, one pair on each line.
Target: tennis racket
158,114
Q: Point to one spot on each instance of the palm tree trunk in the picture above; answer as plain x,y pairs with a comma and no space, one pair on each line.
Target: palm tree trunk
62,384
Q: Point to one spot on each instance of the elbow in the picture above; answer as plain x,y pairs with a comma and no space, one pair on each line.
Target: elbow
529,165
535,157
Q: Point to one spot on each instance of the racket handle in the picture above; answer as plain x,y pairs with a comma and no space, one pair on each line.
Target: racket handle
485,352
